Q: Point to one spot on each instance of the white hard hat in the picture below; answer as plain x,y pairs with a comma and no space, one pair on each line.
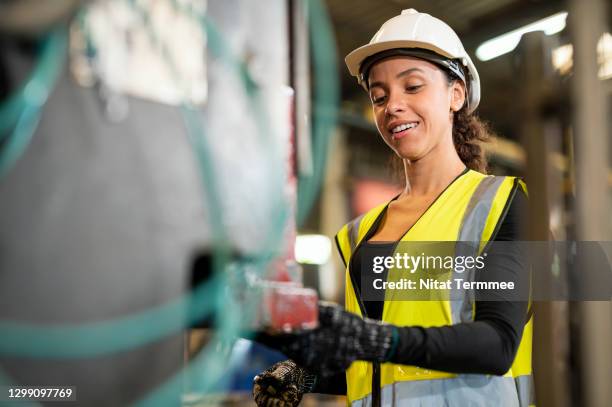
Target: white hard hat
422,36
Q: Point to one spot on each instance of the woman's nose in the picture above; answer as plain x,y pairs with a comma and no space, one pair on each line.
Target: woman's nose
395,105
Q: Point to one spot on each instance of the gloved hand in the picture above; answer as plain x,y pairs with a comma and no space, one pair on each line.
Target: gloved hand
340,339
282,385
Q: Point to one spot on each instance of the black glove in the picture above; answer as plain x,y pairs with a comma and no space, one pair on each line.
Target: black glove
282,385
340,339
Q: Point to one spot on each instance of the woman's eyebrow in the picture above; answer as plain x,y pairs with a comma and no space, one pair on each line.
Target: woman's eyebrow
399,75
408,72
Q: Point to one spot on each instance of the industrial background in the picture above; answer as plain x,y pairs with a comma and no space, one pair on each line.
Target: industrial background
172,174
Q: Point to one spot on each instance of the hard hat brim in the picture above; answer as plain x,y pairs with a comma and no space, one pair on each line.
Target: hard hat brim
356,57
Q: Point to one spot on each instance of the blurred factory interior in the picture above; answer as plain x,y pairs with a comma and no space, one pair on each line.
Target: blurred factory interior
160,158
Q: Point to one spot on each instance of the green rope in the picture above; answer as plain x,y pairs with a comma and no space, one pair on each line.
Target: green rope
94,339
326,101
22,111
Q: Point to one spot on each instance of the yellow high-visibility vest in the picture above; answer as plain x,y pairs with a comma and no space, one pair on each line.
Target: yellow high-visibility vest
471,209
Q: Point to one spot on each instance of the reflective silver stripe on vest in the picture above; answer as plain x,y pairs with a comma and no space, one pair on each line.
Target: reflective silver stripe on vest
470,233
477,211
463,390
353,232
525,390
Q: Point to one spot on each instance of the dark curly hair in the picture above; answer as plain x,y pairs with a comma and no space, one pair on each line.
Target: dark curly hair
469,133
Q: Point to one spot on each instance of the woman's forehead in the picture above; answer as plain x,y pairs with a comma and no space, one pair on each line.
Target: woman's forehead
398,64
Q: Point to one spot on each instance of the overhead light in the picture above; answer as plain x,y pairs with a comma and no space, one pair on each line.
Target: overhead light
563,57
312,249
507,42
604,56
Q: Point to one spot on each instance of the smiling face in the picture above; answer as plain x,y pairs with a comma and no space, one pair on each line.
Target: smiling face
413,104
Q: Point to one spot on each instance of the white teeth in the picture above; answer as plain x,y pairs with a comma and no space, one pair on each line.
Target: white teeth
403,127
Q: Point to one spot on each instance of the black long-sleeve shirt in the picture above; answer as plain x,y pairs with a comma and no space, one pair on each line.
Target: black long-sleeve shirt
489,343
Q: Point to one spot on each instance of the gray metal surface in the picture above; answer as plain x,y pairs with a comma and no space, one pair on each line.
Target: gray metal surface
98,221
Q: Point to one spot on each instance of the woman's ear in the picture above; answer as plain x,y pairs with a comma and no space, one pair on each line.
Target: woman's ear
457,96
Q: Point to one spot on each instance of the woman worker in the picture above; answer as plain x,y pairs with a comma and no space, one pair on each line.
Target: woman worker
447,351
